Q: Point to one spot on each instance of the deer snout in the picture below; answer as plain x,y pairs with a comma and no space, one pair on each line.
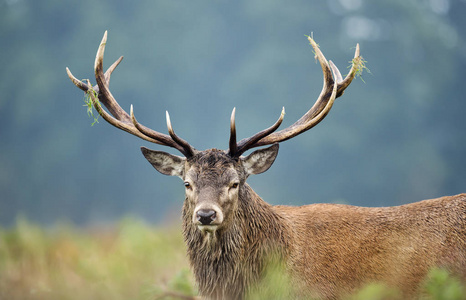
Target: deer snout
206,216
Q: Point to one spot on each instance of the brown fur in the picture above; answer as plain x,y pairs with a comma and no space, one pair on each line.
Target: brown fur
339,248
330,250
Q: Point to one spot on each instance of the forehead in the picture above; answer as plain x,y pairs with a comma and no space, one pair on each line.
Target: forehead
211,165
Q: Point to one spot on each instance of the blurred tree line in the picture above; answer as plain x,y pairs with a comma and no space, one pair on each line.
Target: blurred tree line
397,138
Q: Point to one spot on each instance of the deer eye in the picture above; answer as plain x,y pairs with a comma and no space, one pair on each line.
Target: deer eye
187,185
234,185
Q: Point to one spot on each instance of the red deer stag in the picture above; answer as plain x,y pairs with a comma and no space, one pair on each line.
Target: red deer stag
329,250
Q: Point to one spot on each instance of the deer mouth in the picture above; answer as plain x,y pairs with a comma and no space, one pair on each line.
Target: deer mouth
207,228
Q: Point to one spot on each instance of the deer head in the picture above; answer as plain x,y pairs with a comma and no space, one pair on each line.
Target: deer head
214,178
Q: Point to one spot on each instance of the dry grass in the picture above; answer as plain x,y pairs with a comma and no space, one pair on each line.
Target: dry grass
132,260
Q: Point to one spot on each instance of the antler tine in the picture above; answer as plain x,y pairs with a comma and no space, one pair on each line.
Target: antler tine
83,86
188,150
110,70
233,146
105,96
355,64
333,87
245,144
158,138
117,116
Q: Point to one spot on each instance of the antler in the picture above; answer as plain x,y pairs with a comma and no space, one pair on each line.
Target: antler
119,117
333,87
316,113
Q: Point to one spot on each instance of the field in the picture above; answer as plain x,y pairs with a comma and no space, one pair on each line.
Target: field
131,260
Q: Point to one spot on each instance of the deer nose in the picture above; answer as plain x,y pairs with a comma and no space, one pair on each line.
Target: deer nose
205,216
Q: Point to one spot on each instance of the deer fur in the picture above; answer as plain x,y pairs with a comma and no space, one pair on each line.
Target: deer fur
329,250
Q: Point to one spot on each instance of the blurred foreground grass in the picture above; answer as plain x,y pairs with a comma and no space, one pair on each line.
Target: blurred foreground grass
133,260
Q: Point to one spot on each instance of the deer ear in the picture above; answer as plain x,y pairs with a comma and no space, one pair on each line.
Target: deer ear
260,160
165,163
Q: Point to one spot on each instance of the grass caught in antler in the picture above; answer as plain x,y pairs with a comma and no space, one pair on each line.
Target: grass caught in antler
90,105
360,66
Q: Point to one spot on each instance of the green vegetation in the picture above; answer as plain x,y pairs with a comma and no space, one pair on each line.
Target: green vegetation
133,260
90,105
360,66
274,285
441,286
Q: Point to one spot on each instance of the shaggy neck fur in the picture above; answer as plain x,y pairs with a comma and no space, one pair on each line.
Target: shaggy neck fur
226,262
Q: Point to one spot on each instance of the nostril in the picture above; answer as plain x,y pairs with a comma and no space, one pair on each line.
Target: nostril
206,217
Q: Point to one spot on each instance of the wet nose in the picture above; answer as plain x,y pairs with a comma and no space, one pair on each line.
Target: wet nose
205,216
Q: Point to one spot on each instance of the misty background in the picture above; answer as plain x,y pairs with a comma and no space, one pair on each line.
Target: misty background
397,137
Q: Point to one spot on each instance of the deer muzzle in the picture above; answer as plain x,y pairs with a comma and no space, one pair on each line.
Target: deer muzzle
207,217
